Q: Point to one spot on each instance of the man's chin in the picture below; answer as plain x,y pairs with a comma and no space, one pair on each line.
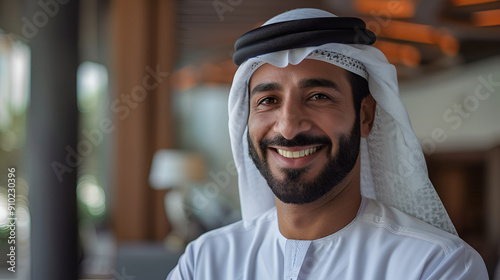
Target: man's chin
293,194
301,174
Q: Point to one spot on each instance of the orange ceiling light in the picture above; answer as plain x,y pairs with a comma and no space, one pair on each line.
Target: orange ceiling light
449,44
386,8
400,53
184,79
471,2
407,31
486,18
421,33
207,74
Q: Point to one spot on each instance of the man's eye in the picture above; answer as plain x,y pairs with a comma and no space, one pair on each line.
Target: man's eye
268,101
318,96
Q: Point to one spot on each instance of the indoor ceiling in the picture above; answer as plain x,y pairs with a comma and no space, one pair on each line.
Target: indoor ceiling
419,37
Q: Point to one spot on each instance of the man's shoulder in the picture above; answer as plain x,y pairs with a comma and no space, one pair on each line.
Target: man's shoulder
226,249
240,230
399,224
414,243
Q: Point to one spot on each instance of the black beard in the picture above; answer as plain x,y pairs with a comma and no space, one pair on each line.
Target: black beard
292,189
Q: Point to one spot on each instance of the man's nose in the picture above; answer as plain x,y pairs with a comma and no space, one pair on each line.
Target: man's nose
292,119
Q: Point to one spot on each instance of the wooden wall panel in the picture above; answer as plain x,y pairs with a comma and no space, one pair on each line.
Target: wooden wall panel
142,48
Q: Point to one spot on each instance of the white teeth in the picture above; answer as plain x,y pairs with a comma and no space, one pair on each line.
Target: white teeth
297,154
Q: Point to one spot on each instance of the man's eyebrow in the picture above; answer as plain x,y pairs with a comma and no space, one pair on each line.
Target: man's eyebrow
318,82
263,87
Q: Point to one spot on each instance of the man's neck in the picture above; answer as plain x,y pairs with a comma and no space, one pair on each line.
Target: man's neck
323,217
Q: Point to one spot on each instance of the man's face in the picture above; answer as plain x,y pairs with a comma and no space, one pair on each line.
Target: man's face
303,132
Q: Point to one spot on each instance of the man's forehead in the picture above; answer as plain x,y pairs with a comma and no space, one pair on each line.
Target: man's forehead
308,68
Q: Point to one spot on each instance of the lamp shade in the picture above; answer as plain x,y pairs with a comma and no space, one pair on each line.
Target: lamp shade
171,168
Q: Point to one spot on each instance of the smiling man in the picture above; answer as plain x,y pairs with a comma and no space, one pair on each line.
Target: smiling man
307,129
332,180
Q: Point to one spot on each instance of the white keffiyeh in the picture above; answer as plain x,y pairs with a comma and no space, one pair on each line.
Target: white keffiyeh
393,169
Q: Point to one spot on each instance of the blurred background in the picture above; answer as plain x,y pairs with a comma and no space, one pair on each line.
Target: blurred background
114,116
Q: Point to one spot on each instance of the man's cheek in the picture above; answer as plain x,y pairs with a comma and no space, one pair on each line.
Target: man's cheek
261,151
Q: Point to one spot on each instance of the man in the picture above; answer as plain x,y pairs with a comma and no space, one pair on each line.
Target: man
332,180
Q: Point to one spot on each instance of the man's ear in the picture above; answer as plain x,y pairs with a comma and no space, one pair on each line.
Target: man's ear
367,115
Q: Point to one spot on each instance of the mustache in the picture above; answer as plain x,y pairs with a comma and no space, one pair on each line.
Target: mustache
299,140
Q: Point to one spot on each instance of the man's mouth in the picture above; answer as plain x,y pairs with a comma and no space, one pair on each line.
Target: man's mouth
297,154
